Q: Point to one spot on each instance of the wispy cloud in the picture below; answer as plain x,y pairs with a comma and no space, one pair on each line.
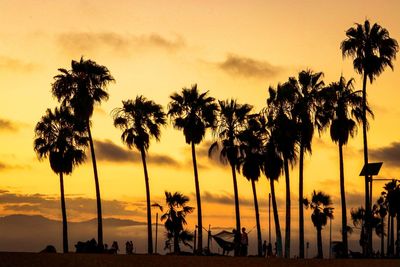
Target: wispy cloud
248,67
224,199
390,154
108,151
16,65
45,204
89,41
7,125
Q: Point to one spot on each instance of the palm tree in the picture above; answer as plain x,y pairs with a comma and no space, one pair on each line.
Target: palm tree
250,163
320,205
309,85
140,120
343,105
380,211
175,219
81,88
231,121
59,138
272,168
193,112
390,187
393,198
372,51
284,129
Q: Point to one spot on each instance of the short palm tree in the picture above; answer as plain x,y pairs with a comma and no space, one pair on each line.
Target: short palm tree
320,204
372,50
344,106
250,163
380,211
174,220
284,129
81,88
193,113
59,138
390,187
306,107
140,120
231,121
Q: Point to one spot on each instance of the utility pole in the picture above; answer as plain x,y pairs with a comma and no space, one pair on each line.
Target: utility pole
155,249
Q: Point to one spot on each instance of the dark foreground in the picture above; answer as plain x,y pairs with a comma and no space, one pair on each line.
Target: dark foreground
15,259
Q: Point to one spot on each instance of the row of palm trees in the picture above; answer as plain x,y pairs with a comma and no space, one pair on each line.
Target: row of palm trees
267,142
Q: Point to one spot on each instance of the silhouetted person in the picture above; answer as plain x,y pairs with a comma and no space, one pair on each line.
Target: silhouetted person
276,248
129,247
264,248
269,250
244,242
114,248
236,242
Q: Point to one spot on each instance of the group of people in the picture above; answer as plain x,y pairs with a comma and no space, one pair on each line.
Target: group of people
241,242
129,247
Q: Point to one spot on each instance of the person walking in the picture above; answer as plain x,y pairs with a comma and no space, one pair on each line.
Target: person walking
244,242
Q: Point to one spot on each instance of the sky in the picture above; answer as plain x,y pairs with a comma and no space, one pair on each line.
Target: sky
233,49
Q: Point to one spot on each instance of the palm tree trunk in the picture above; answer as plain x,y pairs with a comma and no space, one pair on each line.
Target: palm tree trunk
276,220
236,193
259,242
64,215
388,236
176,243
382,239
301,211
287,227
146,179
343,201
368,237
98,199
199,217
319,243
398,235
391,252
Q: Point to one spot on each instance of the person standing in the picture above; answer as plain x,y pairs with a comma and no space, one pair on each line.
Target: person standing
244,242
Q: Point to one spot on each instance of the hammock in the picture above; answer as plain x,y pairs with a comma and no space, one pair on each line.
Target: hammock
225,240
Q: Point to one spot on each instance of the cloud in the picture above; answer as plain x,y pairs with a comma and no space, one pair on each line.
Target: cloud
248,67
7,125
224,199
5,167
46,204
108,151
14,64
390,154
90,41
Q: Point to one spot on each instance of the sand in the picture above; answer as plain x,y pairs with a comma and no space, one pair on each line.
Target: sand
16,259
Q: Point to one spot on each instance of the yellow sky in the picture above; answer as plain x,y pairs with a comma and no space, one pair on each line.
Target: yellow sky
153,48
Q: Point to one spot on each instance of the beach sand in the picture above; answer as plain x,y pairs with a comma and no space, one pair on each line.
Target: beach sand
16,259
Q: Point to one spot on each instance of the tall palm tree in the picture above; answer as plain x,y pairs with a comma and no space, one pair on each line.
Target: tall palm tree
175,219
140,120
372,50
193,112
344,106
81,88
320,204
231,121
250,163
285,131
272,168
59,138
309,85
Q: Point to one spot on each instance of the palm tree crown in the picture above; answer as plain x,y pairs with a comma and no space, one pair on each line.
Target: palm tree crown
82,87
61,138
192,112
140,119
371,47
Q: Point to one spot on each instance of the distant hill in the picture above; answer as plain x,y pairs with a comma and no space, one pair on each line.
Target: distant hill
34,232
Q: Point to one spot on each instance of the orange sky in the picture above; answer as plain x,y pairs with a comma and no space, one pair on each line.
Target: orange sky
232,48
